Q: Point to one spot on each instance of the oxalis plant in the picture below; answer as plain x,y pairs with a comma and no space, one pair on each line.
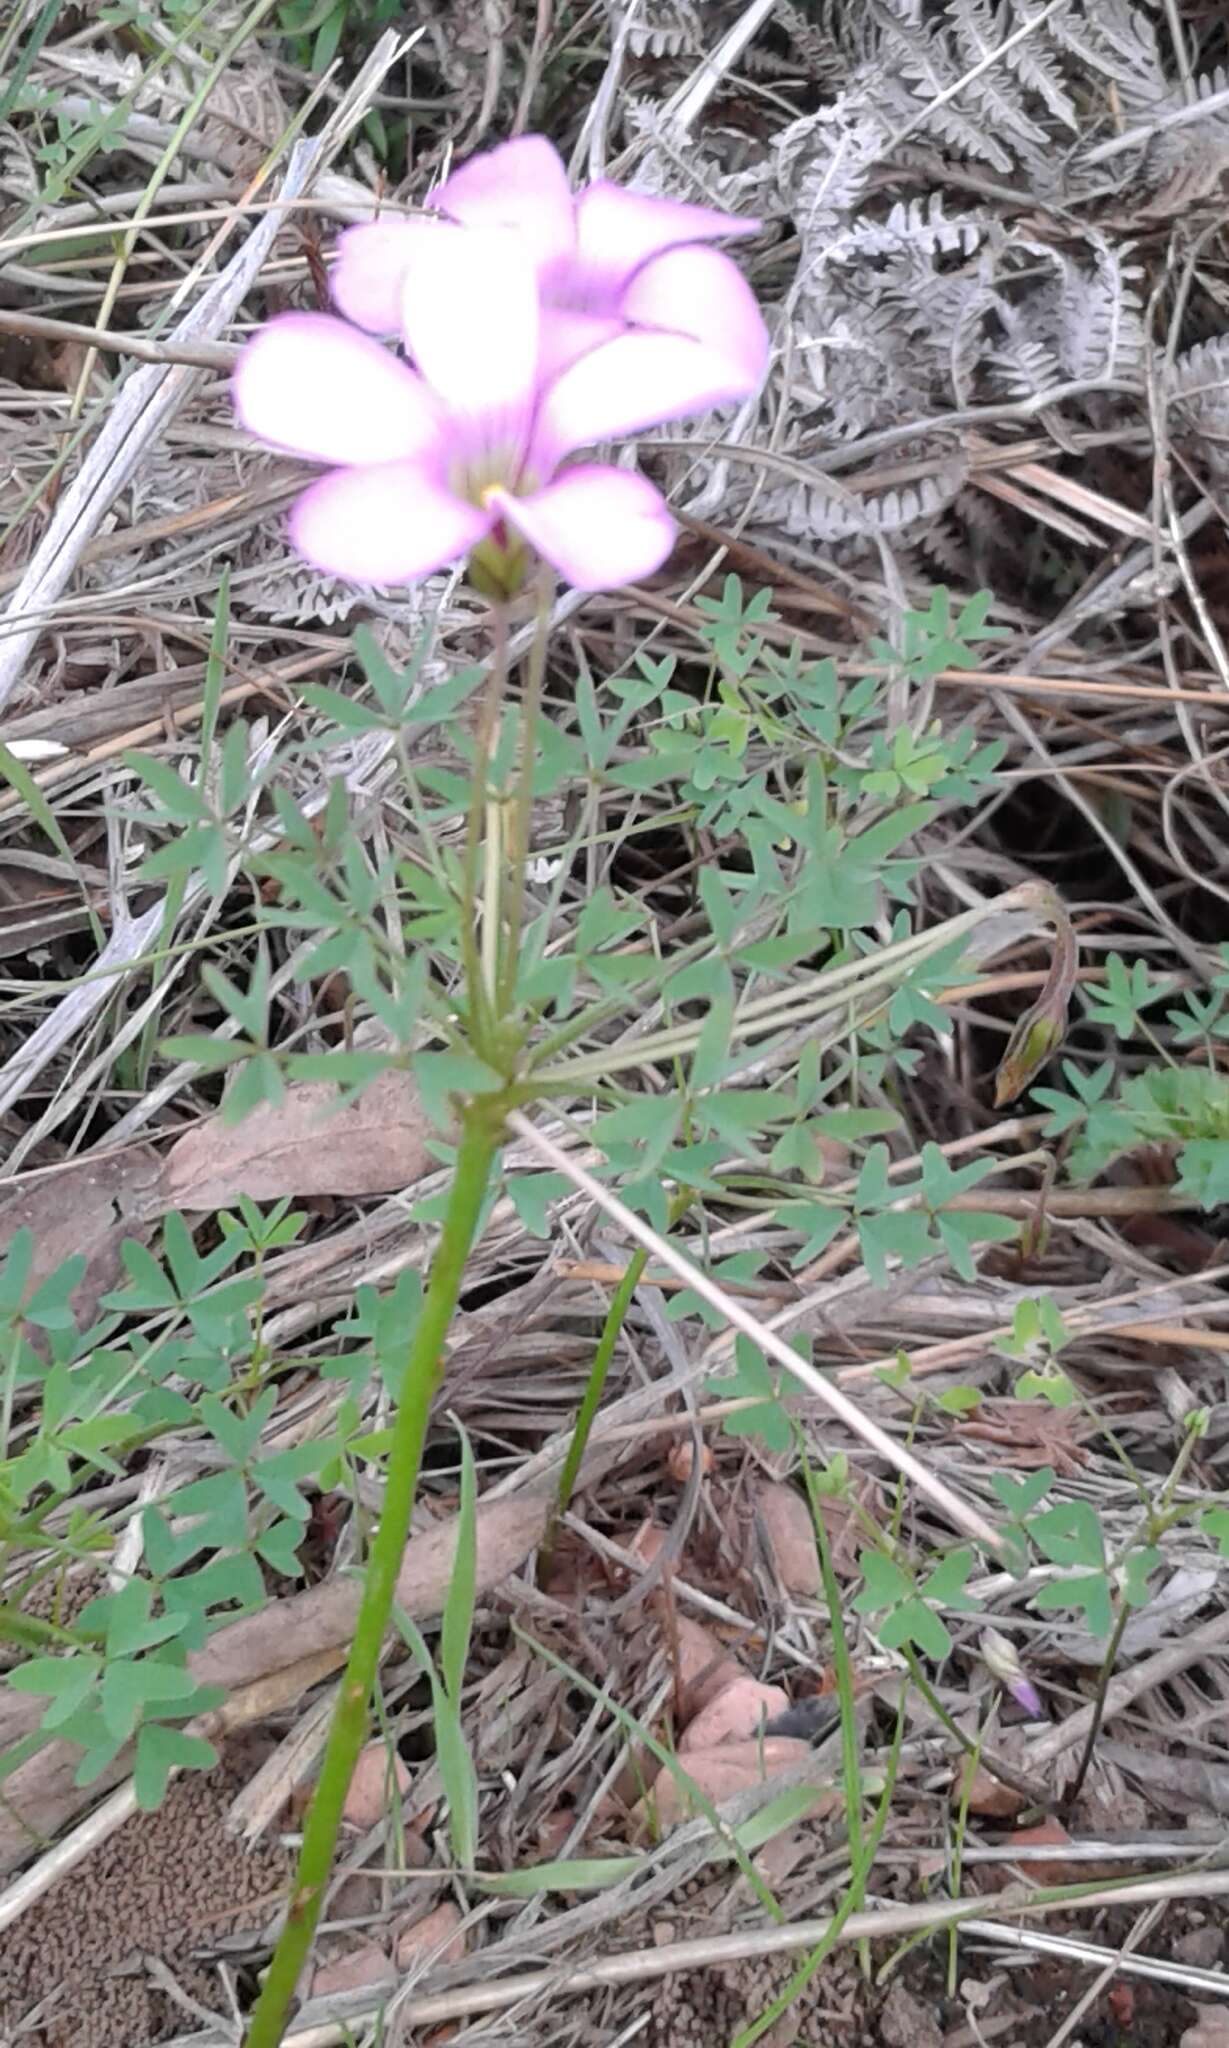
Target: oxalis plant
534,324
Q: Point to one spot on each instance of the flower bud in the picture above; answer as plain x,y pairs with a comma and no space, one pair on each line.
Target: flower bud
1000,1659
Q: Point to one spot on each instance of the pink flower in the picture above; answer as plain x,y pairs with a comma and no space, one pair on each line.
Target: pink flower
607,260
461,454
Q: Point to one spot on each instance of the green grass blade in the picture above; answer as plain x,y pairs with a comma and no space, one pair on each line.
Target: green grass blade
458,1619
19,777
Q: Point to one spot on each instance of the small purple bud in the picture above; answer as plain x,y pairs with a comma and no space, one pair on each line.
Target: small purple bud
999,1657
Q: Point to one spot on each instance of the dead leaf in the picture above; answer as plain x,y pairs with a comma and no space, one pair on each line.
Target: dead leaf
552,1831
845,1526
359,1969
1193,180
706,1672
786,1517
1211,2028
437,1938
1031,1434
682,1458
305,1145
1049,1833
88,1207
782,1854
988,1795
905,2023
1014,1751
1204,1946
359,1897
648,1542
370,1796
740,1710
706,1667
787,1524
721,1773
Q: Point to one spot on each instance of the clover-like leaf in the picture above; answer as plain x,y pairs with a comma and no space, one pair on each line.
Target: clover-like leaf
914,1622
1069,1533
883,1583
765,1417
1089,1592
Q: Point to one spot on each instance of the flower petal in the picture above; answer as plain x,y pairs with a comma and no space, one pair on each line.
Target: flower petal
599,527
469,312
635,381
617,231
368,275
566,337
522,185
312,385
388,522
699,292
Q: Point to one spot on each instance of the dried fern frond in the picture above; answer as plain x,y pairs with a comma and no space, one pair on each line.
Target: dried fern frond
825,162
1101,320
824,512
725,168
1083,323
953,96
1198,391
905,303
917,227
661,28
1115,43
1201,139
813,44
278,585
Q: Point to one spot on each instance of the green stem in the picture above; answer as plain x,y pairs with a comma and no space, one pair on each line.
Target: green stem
842,1671
1186,1451
522,821
482,1021
616,1316
961,1832
32,1633
592,1400
974,1749
1098,1712
842,1664
480,1140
